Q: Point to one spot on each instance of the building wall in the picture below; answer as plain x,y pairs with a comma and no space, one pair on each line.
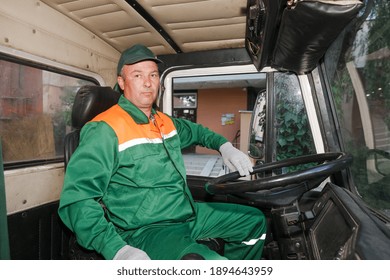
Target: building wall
213,103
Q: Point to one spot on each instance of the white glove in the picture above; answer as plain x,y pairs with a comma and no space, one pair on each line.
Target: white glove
130,253
235,159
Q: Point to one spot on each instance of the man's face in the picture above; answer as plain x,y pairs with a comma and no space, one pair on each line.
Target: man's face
140,83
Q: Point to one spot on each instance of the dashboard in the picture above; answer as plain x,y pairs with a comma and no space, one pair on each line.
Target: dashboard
329,225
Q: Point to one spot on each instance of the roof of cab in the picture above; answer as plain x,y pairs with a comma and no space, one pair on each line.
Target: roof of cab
165,26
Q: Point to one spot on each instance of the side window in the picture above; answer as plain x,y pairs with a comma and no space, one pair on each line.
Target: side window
293,134
35,109
361,89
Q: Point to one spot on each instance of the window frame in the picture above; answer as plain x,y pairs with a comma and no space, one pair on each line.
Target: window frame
29,60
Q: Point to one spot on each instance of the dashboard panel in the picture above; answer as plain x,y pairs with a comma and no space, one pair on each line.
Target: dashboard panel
334,230
340,227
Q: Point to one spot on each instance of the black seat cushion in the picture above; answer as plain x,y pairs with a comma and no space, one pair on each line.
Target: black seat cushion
88,103
91,101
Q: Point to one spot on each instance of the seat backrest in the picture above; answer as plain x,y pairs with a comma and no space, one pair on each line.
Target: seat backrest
88,103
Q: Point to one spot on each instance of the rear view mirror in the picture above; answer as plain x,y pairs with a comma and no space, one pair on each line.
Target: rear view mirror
381,162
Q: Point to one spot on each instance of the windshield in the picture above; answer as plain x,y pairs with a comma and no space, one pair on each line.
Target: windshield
360,83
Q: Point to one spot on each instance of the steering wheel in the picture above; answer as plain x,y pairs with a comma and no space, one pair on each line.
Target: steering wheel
328,163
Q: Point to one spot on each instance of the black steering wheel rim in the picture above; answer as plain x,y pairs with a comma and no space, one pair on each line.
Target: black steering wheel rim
329,163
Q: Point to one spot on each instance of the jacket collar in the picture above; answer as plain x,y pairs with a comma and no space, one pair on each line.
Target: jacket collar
138,116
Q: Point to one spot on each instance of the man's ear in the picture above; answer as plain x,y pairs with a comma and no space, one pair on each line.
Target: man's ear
121,82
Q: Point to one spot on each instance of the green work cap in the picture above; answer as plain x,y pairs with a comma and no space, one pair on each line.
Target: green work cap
135,54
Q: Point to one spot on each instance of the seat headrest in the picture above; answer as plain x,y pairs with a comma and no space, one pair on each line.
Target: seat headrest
91,101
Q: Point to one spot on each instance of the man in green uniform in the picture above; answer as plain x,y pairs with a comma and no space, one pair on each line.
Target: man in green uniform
129,159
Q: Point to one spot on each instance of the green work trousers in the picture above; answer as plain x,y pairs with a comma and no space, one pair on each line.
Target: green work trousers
241,227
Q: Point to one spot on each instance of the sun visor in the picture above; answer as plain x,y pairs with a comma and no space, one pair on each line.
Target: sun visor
306,31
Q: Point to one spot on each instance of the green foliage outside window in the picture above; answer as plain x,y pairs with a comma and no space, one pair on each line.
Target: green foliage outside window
293,132
369,54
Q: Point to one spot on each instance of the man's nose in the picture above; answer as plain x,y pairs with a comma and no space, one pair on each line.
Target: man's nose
147,82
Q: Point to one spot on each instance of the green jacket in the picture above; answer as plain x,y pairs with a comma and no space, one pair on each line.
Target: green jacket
134,166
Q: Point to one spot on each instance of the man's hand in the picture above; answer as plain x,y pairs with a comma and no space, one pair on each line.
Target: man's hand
235,159
130,253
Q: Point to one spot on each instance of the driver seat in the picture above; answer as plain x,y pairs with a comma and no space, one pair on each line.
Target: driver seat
90,100
88,103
